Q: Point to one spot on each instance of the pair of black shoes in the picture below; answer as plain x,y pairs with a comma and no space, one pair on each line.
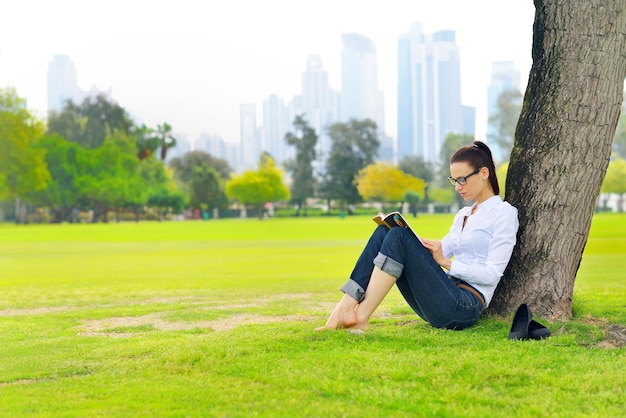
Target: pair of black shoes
525,327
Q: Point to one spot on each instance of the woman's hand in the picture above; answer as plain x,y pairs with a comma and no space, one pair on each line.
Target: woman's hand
434,247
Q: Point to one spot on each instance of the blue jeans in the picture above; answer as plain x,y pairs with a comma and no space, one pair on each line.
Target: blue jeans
429,291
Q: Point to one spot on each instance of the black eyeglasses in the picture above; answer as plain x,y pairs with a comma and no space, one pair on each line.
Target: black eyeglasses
461,181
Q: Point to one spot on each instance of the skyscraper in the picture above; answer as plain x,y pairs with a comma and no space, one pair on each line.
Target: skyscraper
319,104
429,92
62,83
360,97
249,140
275,126
504,77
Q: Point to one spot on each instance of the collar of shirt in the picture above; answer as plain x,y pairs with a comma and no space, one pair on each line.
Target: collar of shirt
486,205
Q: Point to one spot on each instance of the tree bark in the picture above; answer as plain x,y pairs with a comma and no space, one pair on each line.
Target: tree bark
562,149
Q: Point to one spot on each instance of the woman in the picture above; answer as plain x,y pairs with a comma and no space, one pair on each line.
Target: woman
474,254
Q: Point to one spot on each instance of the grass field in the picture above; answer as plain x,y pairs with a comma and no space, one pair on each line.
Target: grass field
216,318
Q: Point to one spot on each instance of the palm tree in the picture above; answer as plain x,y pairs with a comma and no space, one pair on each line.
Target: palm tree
146,142
165,138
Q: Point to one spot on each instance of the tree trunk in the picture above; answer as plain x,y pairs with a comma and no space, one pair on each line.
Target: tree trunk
562,149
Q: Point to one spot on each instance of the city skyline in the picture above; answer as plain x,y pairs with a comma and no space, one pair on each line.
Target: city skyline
196,76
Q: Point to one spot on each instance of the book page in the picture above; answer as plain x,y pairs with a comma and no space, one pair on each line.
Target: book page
394,219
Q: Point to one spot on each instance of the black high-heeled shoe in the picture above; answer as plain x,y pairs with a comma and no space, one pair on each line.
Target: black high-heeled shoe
536,331
524,326
521,323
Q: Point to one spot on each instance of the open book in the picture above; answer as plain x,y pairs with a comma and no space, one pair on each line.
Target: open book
394,219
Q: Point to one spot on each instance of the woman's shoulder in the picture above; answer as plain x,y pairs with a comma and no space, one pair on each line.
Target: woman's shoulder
505,209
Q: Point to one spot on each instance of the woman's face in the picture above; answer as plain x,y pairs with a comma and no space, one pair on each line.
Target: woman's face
476,185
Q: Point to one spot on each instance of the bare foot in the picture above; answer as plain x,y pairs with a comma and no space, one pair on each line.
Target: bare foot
343,316
339,319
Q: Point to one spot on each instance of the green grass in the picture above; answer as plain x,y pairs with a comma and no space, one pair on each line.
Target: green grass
216,318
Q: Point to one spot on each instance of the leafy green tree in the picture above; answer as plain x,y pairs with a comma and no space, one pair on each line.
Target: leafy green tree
255,188
207,188
163,193
23,169
69,123
413,199
615,179
91,122
61,195
147,142
443,195
183,166
504,121
113,179
417,167
301,168
619,141
354,145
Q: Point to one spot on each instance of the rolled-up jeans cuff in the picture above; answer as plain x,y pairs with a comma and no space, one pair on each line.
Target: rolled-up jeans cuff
388,265
353,289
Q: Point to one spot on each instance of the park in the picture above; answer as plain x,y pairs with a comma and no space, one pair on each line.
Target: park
153,315
217,318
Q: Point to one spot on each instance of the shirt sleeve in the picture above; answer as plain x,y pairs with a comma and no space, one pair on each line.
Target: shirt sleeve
445,241
499,252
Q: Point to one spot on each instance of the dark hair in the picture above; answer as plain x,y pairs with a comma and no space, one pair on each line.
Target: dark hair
478,155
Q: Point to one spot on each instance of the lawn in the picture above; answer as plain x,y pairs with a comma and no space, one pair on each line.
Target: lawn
216,318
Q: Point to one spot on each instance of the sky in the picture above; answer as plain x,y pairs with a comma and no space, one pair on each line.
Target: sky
192,63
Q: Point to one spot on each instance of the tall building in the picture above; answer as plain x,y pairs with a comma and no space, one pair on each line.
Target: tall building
275,125
504,77
360,97
249,139
211,144
429,92
62,83
319,104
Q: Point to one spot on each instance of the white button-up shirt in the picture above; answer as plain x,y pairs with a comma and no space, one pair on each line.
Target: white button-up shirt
482,248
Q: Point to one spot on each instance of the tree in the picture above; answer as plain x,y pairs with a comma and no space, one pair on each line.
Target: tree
23,169
508,108
163,193
382,182
207,188
112,179
146,141
615,180
165,139
192,169
256,188
562,148
501,172
354,146
303,180
619,142
183,166
91,122
63,158
443,195
417,167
